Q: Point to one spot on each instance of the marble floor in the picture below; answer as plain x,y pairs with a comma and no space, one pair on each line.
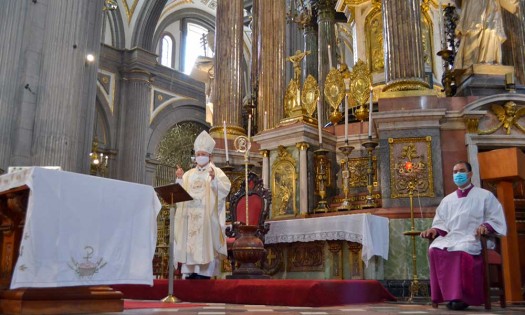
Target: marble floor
382,308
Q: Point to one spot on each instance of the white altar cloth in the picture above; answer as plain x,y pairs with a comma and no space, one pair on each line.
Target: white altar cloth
370,231
84,230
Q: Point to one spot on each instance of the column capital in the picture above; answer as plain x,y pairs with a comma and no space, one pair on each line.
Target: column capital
302,145
265,153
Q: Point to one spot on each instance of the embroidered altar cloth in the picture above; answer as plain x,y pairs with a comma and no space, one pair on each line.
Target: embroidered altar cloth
370,231
84,230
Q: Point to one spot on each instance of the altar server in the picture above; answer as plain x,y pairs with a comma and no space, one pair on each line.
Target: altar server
456,266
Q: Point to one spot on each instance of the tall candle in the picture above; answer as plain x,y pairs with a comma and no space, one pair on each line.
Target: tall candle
249,126
330,56
370,109
441,24
225,142
265,121
319,122
347,87
346,118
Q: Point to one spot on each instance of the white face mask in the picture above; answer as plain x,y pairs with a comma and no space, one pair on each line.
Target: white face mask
202,160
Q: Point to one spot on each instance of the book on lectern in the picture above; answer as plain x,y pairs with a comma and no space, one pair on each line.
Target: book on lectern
173,193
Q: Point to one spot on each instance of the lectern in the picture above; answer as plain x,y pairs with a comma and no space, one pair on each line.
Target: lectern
171,194
503,166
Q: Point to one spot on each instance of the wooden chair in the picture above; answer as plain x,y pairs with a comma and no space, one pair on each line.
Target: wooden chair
493,282
259,201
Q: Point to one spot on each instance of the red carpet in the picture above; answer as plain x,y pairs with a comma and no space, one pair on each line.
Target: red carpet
130,305
264,292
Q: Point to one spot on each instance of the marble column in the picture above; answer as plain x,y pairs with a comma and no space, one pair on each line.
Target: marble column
303,177
135,110
326,36
51,107
404,58
513,47
272,25
227,103
254,67
310,43
265,167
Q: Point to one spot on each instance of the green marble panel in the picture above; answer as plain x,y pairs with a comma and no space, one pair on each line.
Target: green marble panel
400,263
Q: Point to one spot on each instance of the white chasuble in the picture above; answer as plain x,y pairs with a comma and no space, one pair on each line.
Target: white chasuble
199,223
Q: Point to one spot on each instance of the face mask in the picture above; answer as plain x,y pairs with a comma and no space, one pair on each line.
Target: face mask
460,179
202,160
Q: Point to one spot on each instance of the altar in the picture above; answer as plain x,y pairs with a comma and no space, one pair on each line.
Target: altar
72,230
336,247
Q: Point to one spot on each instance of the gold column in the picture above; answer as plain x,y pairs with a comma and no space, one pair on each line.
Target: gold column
271,26
227,103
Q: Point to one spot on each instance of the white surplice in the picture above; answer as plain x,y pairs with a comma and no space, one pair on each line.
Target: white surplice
460,217
200,223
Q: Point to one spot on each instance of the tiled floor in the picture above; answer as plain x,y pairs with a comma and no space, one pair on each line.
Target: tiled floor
383,308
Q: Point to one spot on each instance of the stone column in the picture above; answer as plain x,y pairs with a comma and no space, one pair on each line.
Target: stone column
227,103
13,15
303,177
265,167
326,36
272,59
404,65
136,98
55,87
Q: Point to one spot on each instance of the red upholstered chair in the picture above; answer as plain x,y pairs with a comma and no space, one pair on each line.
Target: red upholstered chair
259,200
493,282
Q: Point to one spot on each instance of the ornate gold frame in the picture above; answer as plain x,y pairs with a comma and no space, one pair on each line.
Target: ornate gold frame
418,153
310,95
283,182
334,93
358,172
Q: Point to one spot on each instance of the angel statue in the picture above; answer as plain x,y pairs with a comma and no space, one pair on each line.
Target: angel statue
508,116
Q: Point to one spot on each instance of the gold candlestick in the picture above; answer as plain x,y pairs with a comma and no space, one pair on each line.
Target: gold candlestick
415,286
345,176
370,201
321,171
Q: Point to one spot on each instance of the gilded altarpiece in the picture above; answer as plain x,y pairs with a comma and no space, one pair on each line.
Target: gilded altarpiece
426,36
374,39
411,167
283,182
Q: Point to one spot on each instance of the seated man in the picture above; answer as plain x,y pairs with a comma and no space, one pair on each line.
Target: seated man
456,266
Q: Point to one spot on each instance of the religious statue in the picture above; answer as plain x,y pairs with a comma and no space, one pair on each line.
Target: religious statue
296,61
480,28
508,115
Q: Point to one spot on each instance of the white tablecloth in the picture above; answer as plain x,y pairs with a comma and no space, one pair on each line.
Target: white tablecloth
369,230
84,230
